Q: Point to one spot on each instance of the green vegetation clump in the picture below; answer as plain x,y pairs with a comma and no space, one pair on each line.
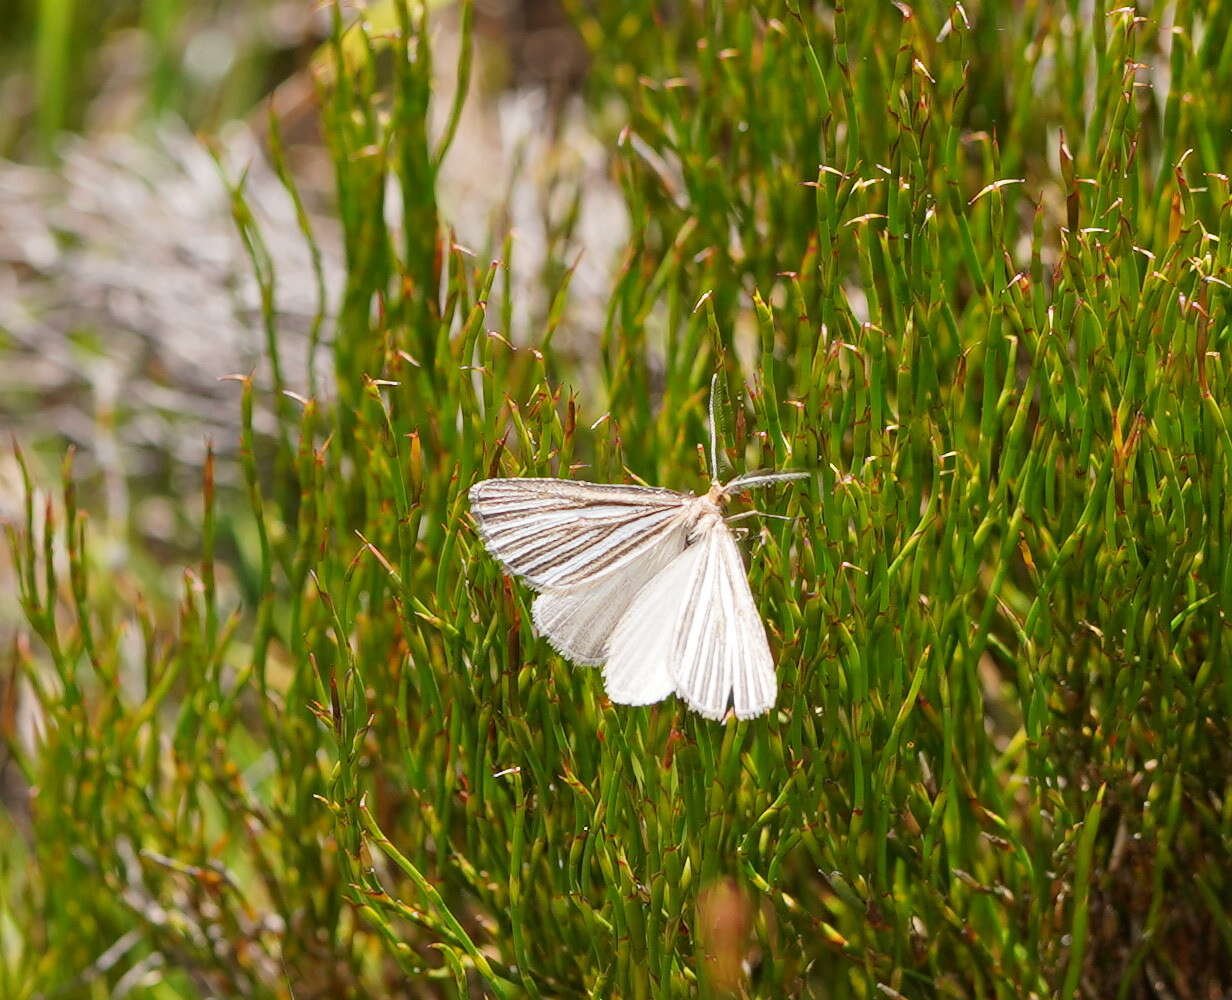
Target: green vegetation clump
969,265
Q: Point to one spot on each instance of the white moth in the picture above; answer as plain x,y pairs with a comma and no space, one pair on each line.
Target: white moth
646,581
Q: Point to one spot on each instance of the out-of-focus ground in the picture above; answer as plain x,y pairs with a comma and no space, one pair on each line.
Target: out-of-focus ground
125,289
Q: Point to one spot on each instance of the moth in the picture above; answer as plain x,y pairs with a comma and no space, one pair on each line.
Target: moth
648,582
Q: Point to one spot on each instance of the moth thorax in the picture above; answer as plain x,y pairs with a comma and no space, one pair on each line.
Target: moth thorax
717,495
706,513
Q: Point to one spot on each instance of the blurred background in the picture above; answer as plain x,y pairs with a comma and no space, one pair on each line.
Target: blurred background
128,133
126,290
1003,730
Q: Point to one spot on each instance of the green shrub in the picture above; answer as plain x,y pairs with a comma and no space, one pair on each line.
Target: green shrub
969,267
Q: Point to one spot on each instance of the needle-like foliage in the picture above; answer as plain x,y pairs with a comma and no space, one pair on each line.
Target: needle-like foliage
966,264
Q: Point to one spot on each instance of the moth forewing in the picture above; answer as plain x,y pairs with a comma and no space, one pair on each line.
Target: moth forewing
558,534
694,630
723,657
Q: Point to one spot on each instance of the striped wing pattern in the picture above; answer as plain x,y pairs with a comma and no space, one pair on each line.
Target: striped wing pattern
558,534
694,630
648,582
578,622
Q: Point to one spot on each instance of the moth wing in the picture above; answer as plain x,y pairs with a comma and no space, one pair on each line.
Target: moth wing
640,653
695,630
722,656
579,622
558,534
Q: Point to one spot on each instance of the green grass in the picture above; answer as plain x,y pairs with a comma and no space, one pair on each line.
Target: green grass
971,271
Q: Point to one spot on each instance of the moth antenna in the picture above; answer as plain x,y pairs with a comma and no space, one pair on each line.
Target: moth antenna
714,436
752,479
